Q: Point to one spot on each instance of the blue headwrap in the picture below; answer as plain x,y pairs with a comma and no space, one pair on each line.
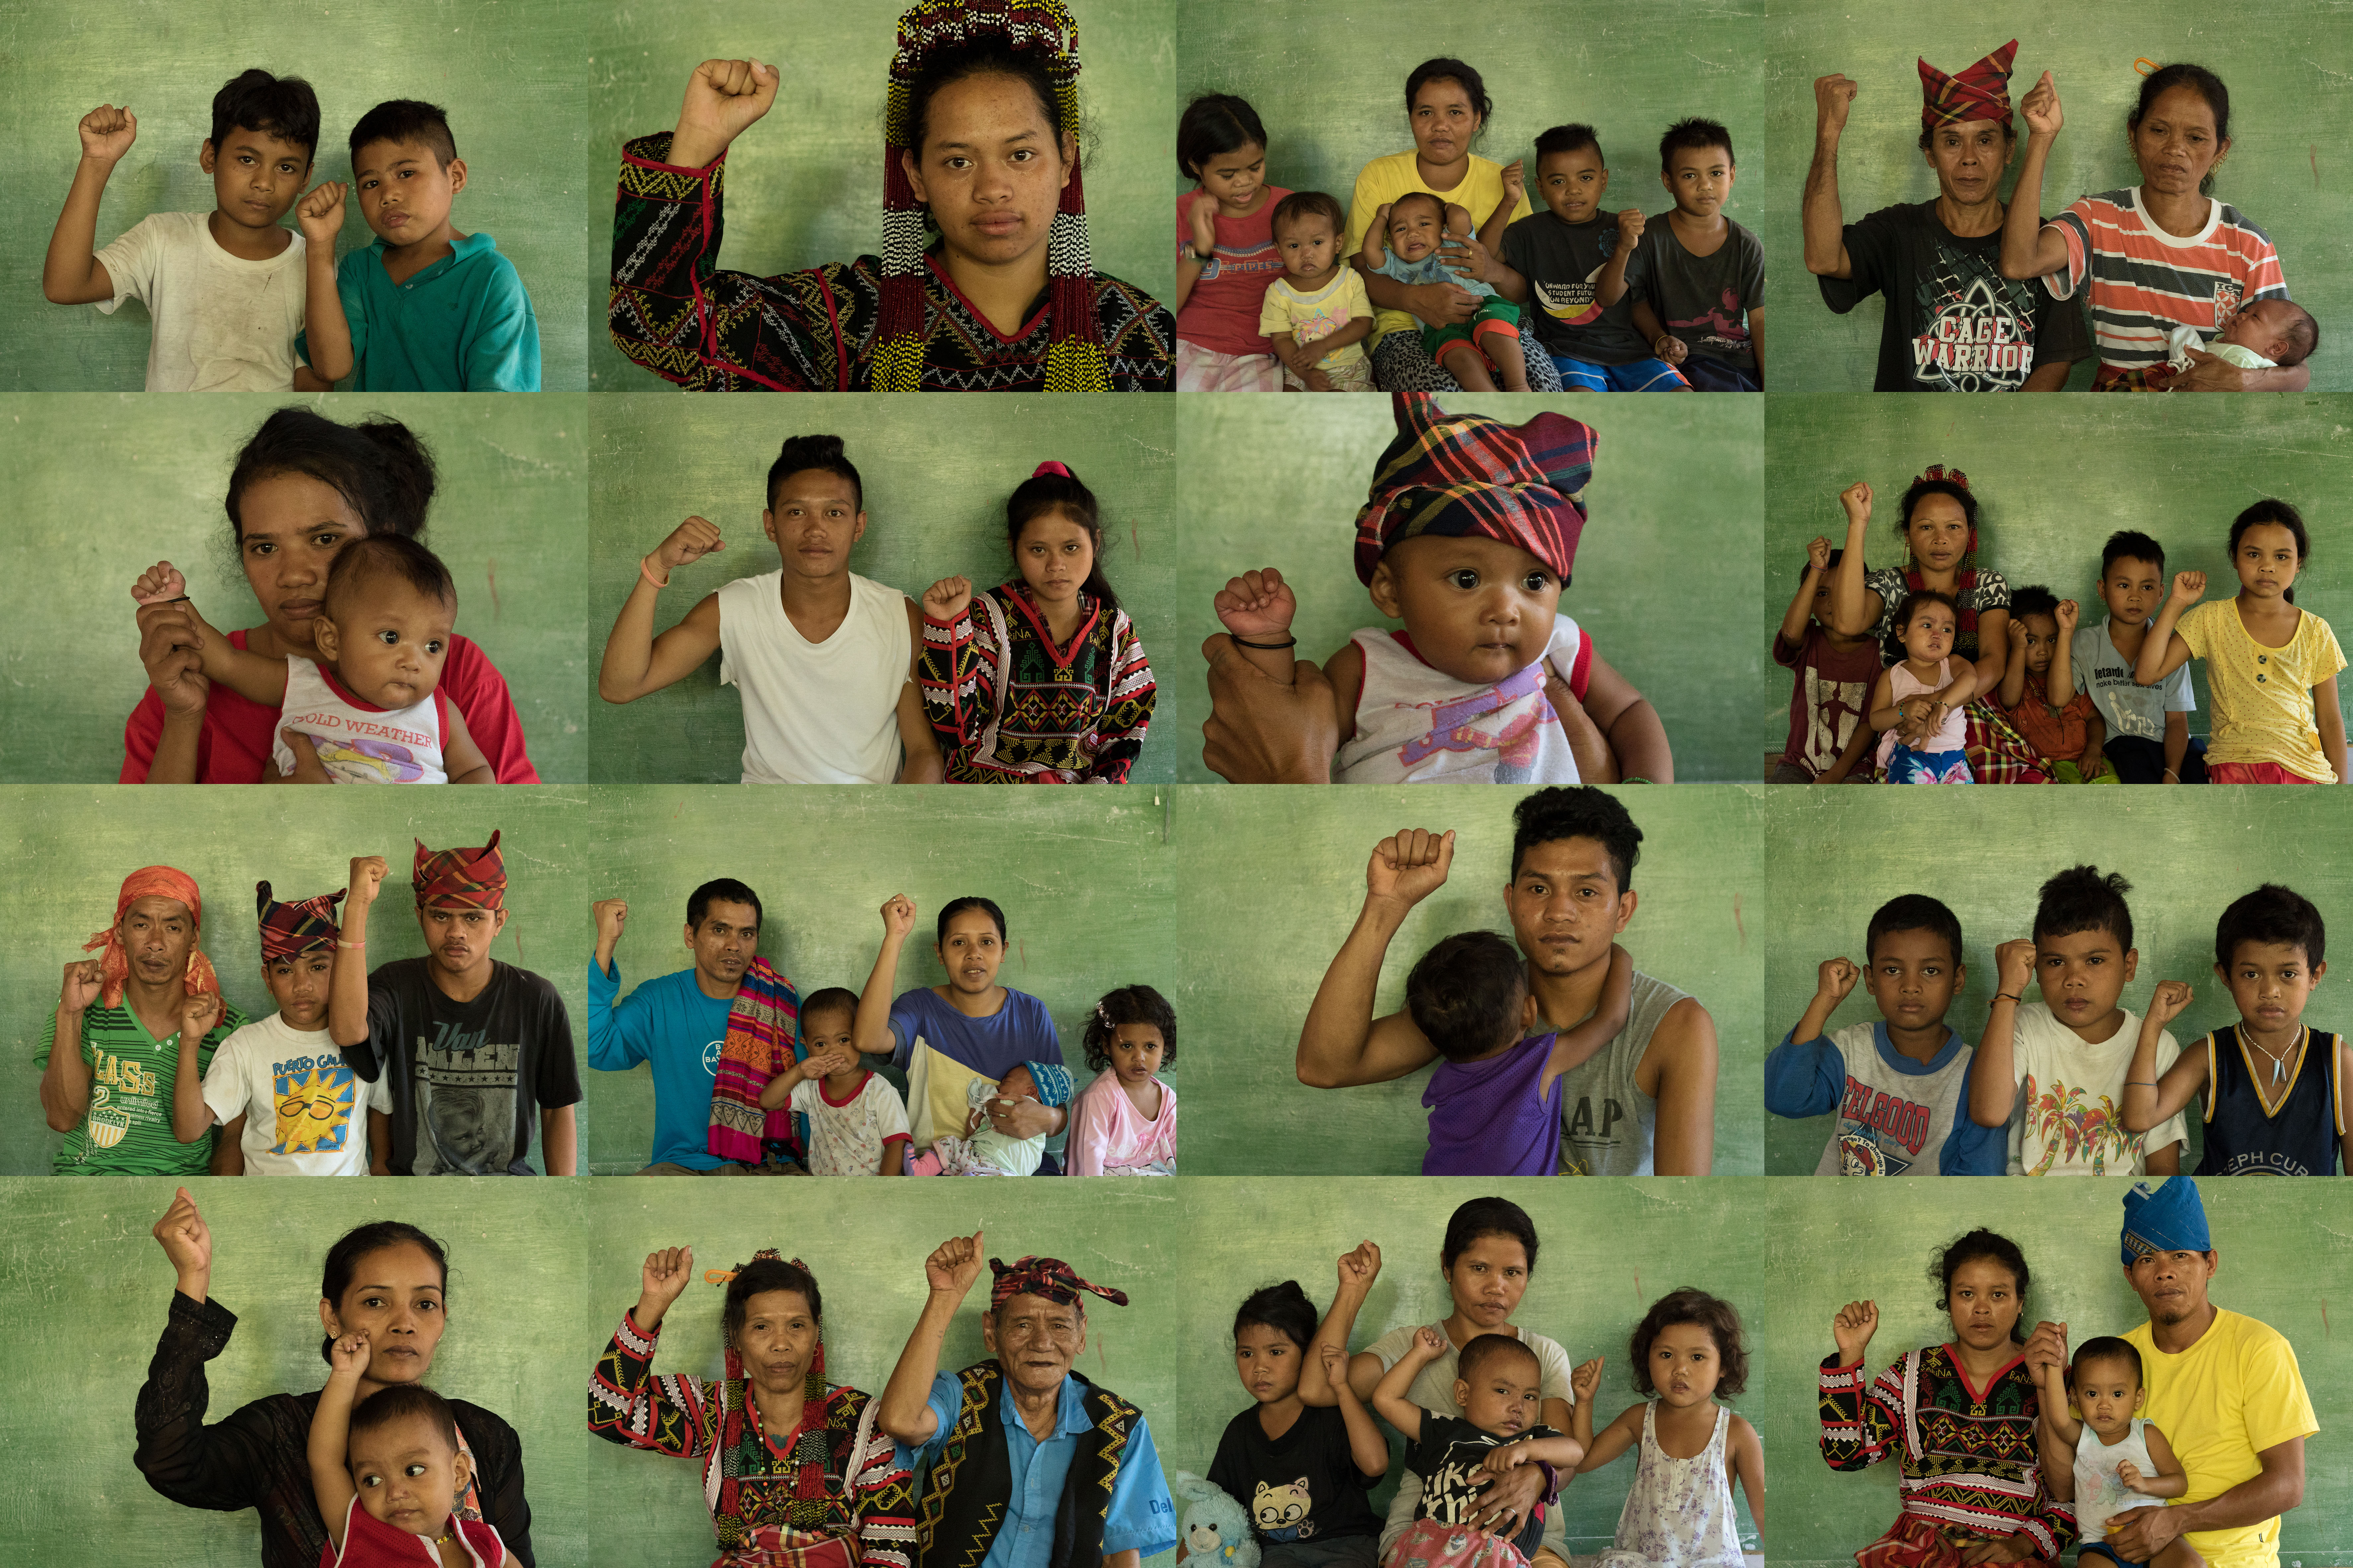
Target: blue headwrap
2168,1219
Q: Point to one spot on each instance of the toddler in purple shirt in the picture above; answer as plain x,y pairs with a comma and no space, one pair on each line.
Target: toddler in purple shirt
1494,1102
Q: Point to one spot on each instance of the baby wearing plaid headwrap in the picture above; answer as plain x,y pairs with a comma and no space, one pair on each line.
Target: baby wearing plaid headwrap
1468,536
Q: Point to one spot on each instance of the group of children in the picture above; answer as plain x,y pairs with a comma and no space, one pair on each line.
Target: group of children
1618,302
240,304
1301,1458
2102,704
2075,1083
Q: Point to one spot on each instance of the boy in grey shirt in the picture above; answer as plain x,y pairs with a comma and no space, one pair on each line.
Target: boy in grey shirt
2149,726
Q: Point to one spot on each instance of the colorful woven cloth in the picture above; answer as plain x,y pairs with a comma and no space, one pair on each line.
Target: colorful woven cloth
1916,1543
763,1039
1075,361
1980,92
292,929
1049,1277
1465,475
2171,1218
1010,706
114,964
465,878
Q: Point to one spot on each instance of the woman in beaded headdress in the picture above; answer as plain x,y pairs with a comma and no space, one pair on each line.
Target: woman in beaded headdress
985,282
794,1472
1937,520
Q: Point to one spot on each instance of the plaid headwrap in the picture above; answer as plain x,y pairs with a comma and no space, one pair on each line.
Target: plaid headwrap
1465,475
2172,1218
114,964
288,929
1980,92
1075,361
476,879
762,1040
1048,1278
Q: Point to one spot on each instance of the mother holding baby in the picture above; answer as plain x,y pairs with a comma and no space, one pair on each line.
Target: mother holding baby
1487,1257
1447,107
303,487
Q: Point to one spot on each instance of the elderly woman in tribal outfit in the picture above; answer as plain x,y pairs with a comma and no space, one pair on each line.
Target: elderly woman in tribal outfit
980,148
794,1472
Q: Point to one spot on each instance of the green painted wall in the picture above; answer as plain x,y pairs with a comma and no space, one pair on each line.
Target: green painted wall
1332,95
2291,102
510,76
1605,1253
806,186
1833,857
1275,881
1664,568
540,1276
936,507
1088,880
90,1287
2278,1244
101,486
71,850
2052,482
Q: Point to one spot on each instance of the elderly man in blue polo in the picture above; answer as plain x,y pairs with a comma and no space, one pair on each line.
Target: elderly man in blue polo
2223,1388
1029,1465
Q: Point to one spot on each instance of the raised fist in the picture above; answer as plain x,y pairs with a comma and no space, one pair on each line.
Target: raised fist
946,599
107,133
1856,498
2189,587
2068,612
1256,603
1832,96
1852,1328
2040,108
159,585
1630,225
898,915
1818,553
611,915
1836,978
1584,1380
690,540
953,1264
1411,866
368,872
725,97
2014,965
1201,218
320,214
2169,1001
82,983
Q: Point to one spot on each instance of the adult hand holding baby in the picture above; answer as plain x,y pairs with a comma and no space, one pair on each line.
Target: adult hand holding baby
171,641
1263,731
2208,372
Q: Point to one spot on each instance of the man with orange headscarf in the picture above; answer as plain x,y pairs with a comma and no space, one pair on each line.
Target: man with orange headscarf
468,1048
120,1017
1953,323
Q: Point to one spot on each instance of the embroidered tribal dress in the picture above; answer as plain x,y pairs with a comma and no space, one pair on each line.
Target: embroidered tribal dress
769,1511
1967,1456
1011,706
676,313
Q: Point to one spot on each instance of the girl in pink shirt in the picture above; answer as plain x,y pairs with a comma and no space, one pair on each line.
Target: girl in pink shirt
1125,1122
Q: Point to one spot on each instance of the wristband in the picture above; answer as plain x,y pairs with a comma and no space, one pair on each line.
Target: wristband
1268,646
647,573
2006,996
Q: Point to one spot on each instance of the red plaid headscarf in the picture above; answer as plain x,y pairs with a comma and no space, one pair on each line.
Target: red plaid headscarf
1464,475
114,964
475,878
1980,92
1048,1278
292,929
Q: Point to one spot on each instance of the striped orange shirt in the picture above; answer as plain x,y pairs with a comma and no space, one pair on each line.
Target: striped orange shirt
2145,282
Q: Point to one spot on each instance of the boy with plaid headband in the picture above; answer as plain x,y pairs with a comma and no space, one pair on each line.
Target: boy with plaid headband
289,1103
1468,537
1078,1483
466,1047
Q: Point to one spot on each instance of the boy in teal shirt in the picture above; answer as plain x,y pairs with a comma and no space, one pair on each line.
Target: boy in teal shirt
424,308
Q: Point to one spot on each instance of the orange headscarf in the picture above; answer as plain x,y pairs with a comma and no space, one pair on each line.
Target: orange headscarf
114,964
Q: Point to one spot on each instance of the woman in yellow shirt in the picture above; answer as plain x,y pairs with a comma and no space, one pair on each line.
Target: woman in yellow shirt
1448,106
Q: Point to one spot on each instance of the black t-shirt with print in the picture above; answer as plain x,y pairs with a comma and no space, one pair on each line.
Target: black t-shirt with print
1954,323
467,1079
1302,1486
1451,1456
1563,263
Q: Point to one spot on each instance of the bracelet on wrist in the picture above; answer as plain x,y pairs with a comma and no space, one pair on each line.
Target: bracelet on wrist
2006,996
1267,646
647,574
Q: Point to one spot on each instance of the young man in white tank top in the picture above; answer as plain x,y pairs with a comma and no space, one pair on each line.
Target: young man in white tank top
824,659
1643,1104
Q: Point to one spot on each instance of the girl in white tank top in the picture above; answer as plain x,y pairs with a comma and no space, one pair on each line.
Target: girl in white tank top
1678,1512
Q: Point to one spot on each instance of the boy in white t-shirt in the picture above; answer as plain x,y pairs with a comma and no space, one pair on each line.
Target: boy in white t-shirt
825,659
2054,1071
857,1122
1317,315
226,290
291,1105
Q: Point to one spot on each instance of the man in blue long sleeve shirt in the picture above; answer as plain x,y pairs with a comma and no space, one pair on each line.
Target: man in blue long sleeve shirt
676,1024
1004,1440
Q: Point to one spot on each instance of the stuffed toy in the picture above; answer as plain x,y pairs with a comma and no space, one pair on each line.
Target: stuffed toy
1216,1531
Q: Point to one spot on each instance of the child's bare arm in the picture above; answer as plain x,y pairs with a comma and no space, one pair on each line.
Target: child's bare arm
461,759
1851,610
2171,1480
330,1433
326,331
249,675
1637,738
2149,1101
1884,714
2029,249
2058,684
379,1144
1663,343
71,273
1614,1440
1390,1393
1848,755
1367,1447
2014,673
2095,742
1491,233
1962,687
1801,604
1560,1453
2051,1382
1757,353
870,1030
1748,1464
1375,250
1993,1083
1610,287
2176,743
2162,651
2328,717
1573,1048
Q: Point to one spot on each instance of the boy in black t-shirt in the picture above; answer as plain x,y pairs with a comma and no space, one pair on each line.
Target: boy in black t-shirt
472,1046
1697,278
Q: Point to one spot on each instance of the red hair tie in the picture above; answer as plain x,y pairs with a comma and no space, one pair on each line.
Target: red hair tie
1050,466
